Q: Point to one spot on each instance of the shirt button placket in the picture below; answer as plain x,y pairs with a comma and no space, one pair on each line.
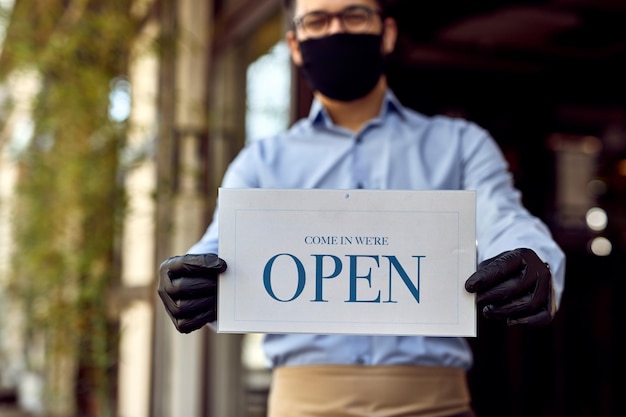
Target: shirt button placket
359,172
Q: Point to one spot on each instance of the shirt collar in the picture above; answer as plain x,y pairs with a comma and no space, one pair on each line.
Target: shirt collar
319,115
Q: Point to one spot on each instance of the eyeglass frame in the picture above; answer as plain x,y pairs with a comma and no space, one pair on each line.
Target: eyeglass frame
297,22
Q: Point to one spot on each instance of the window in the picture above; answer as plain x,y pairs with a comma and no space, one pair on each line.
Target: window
268,93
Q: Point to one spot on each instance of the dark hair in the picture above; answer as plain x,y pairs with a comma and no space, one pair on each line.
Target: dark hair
290,5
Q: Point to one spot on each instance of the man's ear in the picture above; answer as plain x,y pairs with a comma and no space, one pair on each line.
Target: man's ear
294,47
390,35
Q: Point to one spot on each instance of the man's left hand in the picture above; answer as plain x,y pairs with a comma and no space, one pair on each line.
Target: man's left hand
515,286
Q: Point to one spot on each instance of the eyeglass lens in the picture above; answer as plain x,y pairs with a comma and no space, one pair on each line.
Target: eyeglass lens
353,19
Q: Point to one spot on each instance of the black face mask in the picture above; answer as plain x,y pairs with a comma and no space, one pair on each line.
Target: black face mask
344,66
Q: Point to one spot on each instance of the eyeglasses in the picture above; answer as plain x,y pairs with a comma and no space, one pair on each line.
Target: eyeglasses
353,19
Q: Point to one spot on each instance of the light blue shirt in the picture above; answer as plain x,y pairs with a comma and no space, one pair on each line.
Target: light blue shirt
400,149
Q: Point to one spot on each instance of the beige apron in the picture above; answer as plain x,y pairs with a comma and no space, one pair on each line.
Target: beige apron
368,391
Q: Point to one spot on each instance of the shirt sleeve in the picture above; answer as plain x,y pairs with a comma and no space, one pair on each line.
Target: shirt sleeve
503,223
238,175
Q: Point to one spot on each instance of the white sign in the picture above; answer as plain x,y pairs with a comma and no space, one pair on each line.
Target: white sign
379,262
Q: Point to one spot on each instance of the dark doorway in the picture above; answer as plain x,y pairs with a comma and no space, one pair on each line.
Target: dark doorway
548,80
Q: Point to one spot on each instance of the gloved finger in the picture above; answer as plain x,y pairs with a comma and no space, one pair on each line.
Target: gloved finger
495,270
517,308
539,319
176,275
193,265
528,281
542,296
501,292
180,309
187,288
528,303
182,325
189,324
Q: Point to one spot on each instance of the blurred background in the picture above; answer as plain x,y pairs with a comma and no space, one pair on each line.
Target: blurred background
119,117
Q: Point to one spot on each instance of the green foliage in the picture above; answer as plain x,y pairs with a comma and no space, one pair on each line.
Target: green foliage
70,196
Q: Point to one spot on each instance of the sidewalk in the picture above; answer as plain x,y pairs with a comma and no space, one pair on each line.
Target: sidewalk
12,411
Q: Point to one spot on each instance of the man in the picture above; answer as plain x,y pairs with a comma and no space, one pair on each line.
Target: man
359,136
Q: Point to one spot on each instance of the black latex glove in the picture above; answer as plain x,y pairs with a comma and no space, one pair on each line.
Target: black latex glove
188,289
515,286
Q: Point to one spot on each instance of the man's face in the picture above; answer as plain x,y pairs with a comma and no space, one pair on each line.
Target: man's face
376,25
307,7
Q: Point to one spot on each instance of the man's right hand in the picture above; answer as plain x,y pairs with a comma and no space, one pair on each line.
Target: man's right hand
188,289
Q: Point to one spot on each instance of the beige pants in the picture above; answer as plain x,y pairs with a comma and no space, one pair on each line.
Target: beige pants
368,391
